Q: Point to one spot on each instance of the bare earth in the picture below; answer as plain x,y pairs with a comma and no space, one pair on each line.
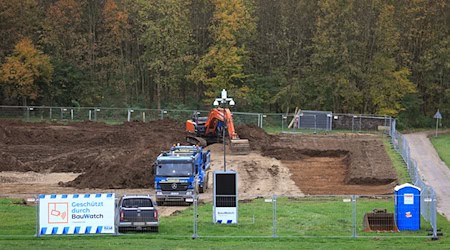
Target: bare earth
92,157
432,169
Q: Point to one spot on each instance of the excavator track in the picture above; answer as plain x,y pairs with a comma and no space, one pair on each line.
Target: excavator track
195,140
240,146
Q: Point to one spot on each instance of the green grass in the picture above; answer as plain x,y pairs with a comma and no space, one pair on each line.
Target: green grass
397,161
303,223
442,146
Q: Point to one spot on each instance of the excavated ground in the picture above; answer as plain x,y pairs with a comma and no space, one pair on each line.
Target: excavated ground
79,157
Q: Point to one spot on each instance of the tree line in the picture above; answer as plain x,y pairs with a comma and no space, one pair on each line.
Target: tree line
383,57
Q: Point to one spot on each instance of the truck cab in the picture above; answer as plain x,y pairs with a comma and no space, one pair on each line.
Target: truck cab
180,173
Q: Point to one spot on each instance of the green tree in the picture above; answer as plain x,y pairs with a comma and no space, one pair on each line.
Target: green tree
222,67
334,60
26,72
167,39
387,83
424,50
66,41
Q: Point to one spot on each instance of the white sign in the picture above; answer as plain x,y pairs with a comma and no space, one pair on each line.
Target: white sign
226,215
76,214
437,115
408,199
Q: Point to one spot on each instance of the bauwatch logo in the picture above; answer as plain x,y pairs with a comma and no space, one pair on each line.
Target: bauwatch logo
58,212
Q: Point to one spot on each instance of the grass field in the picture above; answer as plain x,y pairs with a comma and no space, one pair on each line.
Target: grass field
307,223
442,146
397,161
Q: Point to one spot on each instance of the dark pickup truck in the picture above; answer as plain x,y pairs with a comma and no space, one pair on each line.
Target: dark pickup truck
137,213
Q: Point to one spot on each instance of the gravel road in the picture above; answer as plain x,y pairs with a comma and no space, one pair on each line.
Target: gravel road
432,169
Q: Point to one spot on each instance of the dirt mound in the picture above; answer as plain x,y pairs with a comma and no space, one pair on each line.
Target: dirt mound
130,164
107,156
257,137
10,163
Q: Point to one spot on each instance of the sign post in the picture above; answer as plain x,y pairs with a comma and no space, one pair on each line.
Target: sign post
437,116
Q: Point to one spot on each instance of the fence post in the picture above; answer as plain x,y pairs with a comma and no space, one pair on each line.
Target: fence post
353,123
37,201
27,114
354,235
116,217
433,216
195,233
274,216
162,112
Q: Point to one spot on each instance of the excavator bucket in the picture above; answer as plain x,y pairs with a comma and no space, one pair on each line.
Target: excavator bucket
240,147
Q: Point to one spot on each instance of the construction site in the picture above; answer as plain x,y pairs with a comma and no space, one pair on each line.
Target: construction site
92,157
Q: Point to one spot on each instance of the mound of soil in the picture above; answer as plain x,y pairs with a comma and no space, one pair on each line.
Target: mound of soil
107,156
257,137
10,163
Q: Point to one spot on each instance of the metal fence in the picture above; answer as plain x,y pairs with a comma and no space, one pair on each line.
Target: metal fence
428,199
346,216
350,216
304,122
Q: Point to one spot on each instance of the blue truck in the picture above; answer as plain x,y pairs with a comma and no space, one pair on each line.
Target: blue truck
180,173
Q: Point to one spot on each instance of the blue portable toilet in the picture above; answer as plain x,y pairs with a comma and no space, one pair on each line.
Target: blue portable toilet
407,207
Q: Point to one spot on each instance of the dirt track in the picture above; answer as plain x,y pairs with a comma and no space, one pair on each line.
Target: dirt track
46,157
432,169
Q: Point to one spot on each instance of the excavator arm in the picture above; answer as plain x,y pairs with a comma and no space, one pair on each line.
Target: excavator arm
212,129
216,116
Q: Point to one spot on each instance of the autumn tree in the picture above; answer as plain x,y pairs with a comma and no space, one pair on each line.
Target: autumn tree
114,68
387,83
26,72
222,67
18,19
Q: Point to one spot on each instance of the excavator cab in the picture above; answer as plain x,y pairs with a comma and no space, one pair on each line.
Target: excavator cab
203,131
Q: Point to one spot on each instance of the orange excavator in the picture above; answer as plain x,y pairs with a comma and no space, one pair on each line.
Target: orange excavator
208,130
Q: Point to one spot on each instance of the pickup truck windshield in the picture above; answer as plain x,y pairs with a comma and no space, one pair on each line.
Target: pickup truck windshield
174,169
136,202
